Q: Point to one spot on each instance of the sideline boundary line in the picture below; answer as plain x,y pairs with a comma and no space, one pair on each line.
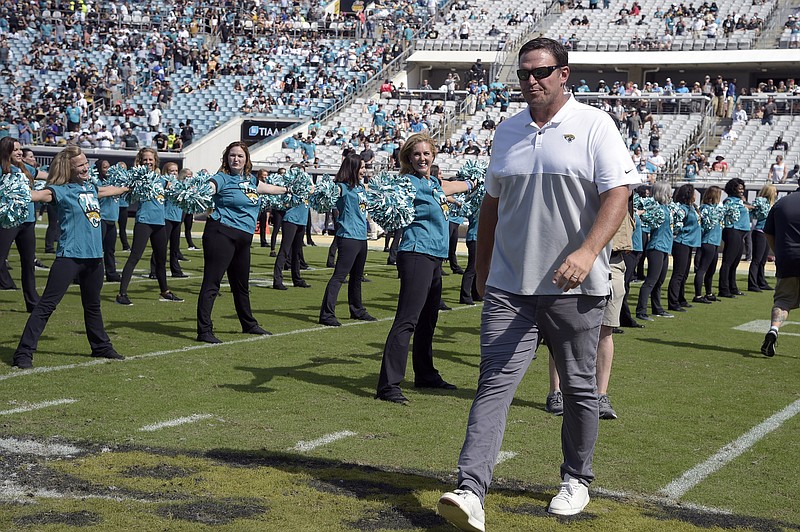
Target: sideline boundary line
691,478
49,369
37,406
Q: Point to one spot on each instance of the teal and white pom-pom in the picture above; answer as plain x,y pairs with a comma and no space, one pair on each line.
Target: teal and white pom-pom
275,201
325,194
144,184
730,213
637,202
193,194
116,176
94,176
39,184
15,196
761,208
710,216
390,201
299,184
470,202
677,214
653,215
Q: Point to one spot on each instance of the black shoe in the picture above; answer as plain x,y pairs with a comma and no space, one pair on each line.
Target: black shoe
663,314
113,278
726,295
711,297
182,258
684,304
444,307
391,263
273,254
737,293
23,361
458,271
311,243
330,322
386,250
674,309
701,299
754,289
366,280
39,265
644,317
398,398
112,355
617,330
441,385
180,274
264,245
279,286
169,297
633,325
123,299
208,338
364,317
258,330
770,341
152,276
301,284
766,287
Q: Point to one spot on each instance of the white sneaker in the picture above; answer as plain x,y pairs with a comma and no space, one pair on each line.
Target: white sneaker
572,498
463,509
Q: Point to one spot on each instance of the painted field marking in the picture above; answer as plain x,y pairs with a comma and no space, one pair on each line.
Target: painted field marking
15,446
36,406
10,491
175,422
502,456
657,499
762,326
305,446
195,347
678,487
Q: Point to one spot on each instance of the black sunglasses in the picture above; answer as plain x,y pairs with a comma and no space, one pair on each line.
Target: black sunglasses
537,73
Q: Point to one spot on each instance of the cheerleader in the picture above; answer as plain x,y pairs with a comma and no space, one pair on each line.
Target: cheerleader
710,238
631,259
24,234
351,242
756,281
657,252
149,226
732,235
124,205
291,248
469,294
419,264
79,255
687,238
227,238
109,216
173,217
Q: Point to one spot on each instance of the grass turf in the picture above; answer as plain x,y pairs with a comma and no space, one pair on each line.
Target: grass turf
684,388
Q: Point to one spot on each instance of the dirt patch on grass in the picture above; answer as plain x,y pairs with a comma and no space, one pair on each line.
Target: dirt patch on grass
82,518
160,471
718,520
396,519
213,512
358,489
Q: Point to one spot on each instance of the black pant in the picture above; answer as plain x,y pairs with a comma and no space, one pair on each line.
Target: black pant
277,223
225,249
706,267
89,273
331,261
397,237
417,314
262,227
123,227
642,256
756,277
291,250
24,236
651,287
468,291
53,232
731,256
309,240
681,259
452,245
109,247
188,221
158,241
352,257
631,259
173,232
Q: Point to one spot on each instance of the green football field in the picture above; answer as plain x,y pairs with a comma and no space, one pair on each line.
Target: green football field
283,432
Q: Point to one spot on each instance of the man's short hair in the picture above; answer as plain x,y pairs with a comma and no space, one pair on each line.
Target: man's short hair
555,48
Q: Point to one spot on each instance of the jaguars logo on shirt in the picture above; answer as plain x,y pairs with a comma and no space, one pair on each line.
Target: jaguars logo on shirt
362,202
249,190
91,207
159,189
442,199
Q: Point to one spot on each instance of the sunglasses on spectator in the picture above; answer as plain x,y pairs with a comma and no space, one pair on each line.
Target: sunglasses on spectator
537,73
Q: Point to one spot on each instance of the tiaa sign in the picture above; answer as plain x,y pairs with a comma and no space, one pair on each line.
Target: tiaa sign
254,131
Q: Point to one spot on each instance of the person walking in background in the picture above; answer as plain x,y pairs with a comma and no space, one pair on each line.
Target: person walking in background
351,238
687,239
732,235
109,216
710,238
419,264
173,217
782,231
756,280
556,165
124,205
657,251
469,293
79,254
291,248
227,238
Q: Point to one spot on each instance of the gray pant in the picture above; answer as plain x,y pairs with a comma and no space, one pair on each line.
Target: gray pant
511,325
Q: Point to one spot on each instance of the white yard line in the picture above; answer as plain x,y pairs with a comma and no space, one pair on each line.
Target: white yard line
193,347
502,456
36,406
15,446
658,500
762,326
305,446
175,422
691,478
10,491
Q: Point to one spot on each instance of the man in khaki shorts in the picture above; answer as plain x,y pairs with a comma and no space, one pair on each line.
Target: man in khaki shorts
620,244
782,230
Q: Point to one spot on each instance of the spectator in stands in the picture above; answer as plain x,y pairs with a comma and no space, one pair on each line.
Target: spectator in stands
779,144
778,173
657,160
488,124
472,148
720,165
729,134
740,116
154,118
769,110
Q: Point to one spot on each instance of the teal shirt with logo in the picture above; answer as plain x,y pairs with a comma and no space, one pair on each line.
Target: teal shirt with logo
352,206
78,211
429,232
236,202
